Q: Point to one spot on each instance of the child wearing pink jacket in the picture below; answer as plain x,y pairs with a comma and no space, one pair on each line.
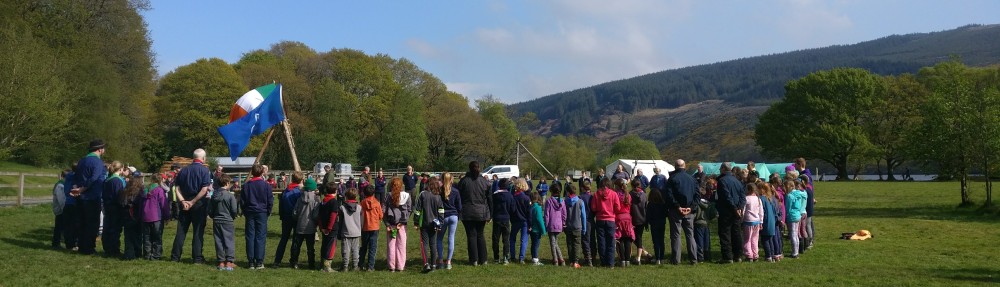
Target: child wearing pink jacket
753,217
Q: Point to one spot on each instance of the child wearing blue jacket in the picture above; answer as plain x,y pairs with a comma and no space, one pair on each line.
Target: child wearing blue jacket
576,223
795,210
536,227
111,231
519,219
286,211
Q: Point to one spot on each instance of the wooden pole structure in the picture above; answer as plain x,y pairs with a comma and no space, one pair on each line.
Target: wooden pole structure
291,144
266,141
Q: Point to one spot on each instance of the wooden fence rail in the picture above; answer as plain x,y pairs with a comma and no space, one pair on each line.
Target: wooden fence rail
20,183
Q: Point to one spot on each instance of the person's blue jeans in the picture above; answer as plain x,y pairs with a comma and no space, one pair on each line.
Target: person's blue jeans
369,247
703,240
536,238
606,241
256,236
448,226
515,228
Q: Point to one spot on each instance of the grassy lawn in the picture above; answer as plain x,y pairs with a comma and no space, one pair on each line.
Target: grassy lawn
921,238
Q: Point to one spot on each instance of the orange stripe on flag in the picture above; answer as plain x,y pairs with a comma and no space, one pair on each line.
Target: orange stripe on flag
236,113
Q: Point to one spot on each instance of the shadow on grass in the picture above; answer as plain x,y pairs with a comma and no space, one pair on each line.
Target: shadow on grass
931,213
975,274
38,238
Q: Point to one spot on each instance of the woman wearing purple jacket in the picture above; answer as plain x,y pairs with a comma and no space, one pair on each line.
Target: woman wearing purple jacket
555,221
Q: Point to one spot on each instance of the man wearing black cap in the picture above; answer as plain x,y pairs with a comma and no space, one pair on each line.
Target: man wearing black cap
89,184
193,182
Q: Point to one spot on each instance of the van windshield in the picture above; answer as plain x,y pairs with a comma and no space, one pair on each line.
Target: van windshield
488,169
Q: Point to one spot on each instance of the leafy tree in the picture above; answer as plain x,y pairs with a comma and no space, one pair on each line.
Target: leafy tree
893,115
404,140
819,118
454,132
500,151
335,138
633,147
193,101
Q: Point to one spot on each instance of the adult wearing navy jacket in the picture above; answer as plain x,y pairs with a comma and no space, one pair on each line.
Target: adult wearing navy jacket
257,203
731,198
90,177
410,181
682,197
286,208
193,182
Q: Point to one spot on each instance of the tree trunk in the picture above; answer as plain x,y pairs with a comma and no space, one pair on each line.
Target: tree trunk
891,163
878,168
841,166
989,183
965,188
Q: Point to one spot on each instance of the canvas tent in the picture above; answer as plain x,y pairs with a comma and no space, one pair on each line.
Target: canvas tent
631,165
764,169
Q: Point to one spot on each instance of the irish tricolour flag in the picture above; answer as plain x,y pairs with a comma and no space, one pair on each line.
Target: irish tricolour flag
251,115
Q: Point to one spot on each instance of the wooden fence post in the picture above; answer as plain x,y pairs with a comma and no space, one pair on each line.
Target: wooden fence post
20,189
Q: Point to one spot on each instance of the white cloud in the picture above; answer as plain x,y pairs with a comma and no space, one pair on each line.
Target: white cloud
813,23
469,90
423,48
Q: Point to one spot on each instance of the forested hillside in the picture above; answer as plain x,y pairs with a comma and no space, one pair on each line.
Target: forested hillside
755,81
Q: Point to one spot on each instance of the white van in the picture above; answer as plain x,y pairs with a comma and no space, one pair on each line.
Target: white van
502,171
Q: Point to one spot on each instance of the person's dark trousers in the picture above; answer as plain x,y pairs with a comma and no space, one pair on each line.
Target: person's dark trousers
428,236
297,240
684,223
589,242
90,223
256,236
639,230
572,244
369,248
605,231
501,238
329,248
152,238
521,228
196,218
536,241
133,240
658,232
71,225
59,230
703,240
112,231
730,236
476,240
769,246
287,231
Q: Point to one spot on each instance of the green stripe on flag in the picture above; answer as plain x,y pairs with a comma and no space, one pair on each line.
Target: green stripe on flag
266,90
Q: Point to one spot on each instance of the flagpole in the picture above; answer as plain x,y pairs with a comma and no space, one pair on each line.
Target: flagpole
261,153
291,144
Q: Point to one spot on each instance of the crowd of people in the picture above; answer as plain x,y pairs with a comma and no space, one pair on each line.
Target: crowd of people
601,218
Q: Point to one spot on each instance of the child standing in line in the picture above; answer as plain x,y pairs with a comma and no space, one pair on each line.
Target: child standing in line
257,202
795,207
430,211
520,220
624,230
779,198
576,223
130,201
769,226
638,212
555,220
753,216
286,208
807,222
536,227
705,214
371,208
222,209
396,213
452,208
656,219
306,213
111,228
350,230
588,240
501,207
155,210
58,203
328,213
605,204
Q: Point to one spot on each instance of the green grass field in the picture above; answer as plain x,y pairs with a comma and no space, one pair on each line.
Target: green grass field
921,238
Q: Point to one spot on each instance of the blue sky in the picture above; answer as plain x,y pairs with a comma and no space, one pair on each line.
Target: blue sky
521,50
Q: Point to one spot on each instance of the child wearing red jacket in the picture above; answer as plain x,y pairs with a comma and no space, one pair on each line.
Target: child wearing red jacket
328,213
605,204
